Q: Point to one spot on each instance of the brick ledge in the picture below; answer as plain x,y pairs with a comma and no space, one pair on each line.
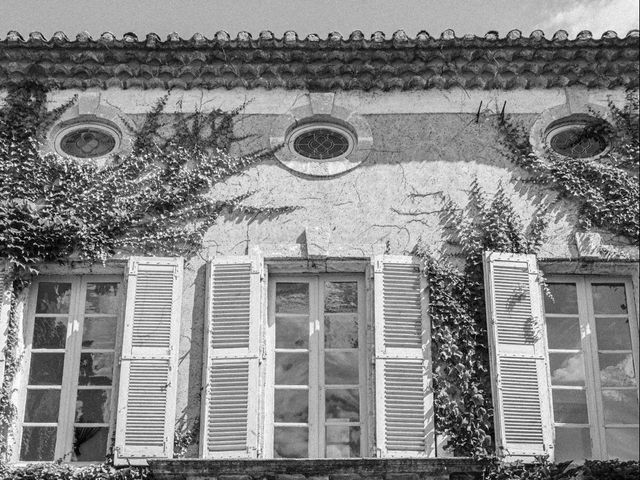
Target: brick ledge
318,469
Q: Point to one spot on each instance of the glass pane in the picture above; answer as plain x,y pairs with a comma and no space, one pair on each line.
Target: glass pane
291,406
343,441
53,297
292,332
292,368
340,297
49,332
46,368
564,299
566,368
291,442
563,333
341,331
38,443
622,443
292,297
96,369
570,406
101,298
620,406
342,403
90,443
572,444
42,406
93,406
609,298
613,334
341,368
616,370
99,332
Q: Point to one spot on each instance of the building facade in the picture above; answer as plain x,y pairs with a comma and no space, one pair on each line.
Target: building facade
307,335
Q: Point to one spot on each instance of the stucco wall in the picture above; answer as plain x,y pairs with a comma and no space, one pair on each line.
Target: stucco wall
419,160
427,148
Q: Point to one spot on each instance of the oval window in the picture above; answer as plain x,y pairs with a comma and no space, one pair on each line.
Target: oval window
321,142
88,140
578,139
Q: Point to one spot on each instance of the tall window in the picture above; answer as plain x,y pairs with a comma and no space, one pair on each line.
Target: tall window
592,335
71,344
317,331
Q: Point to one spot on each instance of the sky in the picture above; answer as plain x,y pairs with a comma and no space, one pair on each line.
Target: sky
187,17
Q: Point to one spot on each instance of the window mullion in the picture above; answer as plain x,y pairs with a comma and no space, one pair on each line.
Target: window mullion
633,327
64,443
594,399
321,440
315,371
362,370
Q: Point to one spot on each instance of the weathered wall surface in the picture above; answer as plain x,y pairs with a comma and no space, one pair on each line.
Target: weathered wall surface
428,147
390,202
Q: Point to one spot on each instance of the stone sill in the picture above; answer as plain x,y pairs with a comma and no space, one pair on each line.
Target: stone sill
321,469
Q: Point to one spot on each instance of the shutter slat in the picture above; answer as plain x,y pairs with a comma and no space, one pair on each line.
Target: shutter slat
230,406
148,379
404,420
518,348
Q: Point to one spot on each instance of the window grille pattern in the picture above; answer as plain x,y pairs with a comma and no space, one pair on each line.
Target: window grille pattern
321,144
577,142
88,143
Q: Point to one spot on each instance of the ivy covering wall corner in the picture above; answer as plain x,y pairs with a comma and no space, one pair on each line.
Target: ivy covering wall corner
606,190
154,200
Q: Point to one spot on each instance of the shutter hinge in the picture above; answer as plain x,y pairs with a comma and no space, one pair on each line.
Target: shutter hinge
133,269
378,266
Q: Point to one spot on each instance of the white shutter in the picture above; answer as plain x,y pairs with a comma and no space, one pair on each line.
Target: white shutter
517,345
404,397
230,406
5,305
148,375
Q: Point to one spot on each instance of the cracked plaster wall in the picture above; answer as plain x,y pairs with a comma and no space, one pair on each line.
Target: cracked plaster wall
419,159
393,199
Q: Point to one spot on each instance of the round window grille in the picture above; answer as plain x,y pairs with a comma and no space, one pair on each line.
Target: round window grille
321,142
88,140
577,140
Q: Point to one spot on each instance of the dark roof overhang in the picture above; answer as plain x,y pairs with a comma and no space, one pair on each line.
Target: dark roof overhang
332,63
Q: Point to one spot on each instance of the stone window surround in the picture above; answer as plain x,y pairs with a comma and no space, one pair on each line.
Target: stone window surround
541,128
79,275
89,109
585,272
321,108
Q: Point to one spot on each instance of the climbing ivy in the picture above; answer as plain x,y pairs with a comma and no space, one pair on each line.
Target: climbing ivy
606,187
156,199
545,470
461,382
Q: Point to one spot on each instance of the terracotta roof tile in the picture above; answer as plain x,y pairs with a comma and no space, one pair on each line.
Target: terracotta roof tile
335,62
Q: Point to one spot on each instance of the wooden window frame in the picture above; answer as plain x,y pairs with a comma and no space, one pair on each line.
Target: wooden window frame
595,409
73,349
317,422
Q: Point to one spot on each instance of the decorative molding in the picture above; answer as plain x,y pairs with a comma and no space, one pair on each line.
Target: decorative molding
90,110
588,244
320,108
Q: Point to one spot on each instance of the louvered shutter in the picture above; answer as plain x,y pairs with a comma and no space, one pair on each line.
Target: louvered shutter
5,304
148,375
517,344
230,407
404,398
